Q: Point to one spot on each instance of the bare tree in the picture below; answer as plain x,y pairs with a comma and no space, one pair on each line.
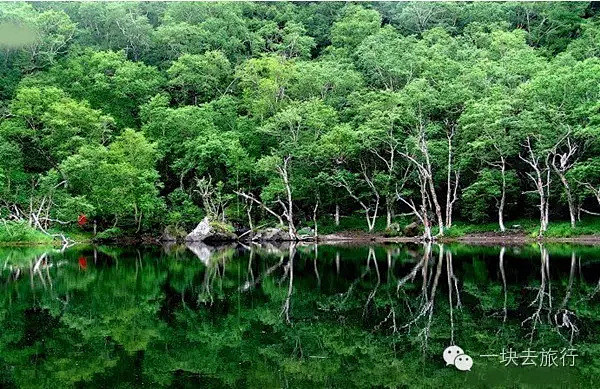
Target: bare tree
287,205
561,163
283,171
253,199
213,200
370,210
425,170
451,190
502,201
541,180
388,157
421,212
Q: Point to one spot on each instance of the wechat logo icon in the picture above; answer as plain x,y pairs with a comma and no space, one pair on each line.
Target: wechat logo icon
454,355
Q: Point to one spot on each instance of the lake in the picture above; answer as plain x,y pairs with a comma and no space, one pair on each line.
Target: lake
300,316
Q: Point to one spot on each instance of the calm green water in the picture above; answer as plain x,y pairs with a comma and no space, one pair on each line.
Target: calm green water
299,317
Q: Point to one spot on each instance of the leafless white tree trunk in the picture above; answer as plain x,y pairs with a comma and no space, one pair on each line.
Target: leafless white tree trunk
425,170
251,198
289,209
286,206
541,180
502,201
561,163
451,191
388,156
422,212
370,211
212,198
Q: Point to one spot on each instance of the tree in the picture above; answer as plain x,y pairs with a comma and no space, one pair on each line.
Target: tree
119,181
107,80
200,78
355,25
558,116
491,142
48,121
264,84
45,36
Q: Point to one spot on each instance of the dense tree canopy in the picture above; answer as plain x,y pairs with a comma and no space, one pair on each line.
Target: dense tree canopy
441,110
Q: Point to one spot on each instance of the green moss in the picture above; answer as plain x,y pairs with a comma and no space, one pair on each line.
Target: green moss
222,227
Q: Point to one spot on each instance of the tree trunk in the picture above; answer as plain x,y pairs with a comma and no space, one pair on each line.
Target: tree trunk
571,203
249,212
542,188
449,184
290,205
388,212
502,197
436,204
438,209
315,220
565,161
425,220
372,219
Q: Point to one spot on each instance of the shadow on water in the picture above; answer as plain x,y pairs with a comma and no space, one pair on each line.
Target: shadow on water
306,315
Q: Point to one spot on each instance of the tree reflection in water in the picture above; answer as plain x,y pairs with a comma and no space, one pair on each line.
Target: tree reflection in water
294,315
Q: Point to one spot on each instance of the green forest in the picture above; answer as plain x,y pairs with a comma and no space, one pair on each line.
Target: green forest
138,116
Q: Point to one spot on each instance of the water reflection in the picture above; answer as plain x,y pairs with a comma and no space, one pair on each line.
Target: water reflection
292,315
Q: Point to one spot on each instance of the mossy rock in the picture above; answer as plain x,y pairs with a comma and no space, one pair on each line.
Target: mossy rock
173,234
212,231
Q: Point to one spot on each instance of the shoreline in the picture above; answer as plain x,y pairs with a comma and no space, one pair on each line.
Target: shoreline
352,237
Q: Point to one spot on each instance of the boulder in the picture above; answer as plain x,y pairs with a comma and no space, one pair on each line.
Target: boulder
271,234
207,231
411,229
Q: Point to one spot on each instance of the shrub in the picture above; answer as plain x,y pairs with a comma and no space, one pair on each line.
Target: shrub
14,232
222,227
110,233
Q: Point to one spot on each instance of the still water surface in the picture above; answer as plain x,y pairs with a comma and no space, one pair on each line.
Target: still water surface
299,316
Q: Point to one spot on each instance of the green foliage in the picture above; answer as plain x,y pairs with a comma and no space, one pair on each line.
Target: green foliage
222,227
200,78
110,233
115,110
19,232
174,319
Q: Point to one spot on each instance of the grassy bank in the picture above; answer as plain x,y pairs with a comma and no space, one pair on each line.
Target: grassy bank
17,233
12,233
529,227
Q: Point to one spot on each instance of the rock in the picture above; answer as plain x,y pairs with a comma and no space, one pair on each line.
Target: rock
207,232
411,229
172,234
271,234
